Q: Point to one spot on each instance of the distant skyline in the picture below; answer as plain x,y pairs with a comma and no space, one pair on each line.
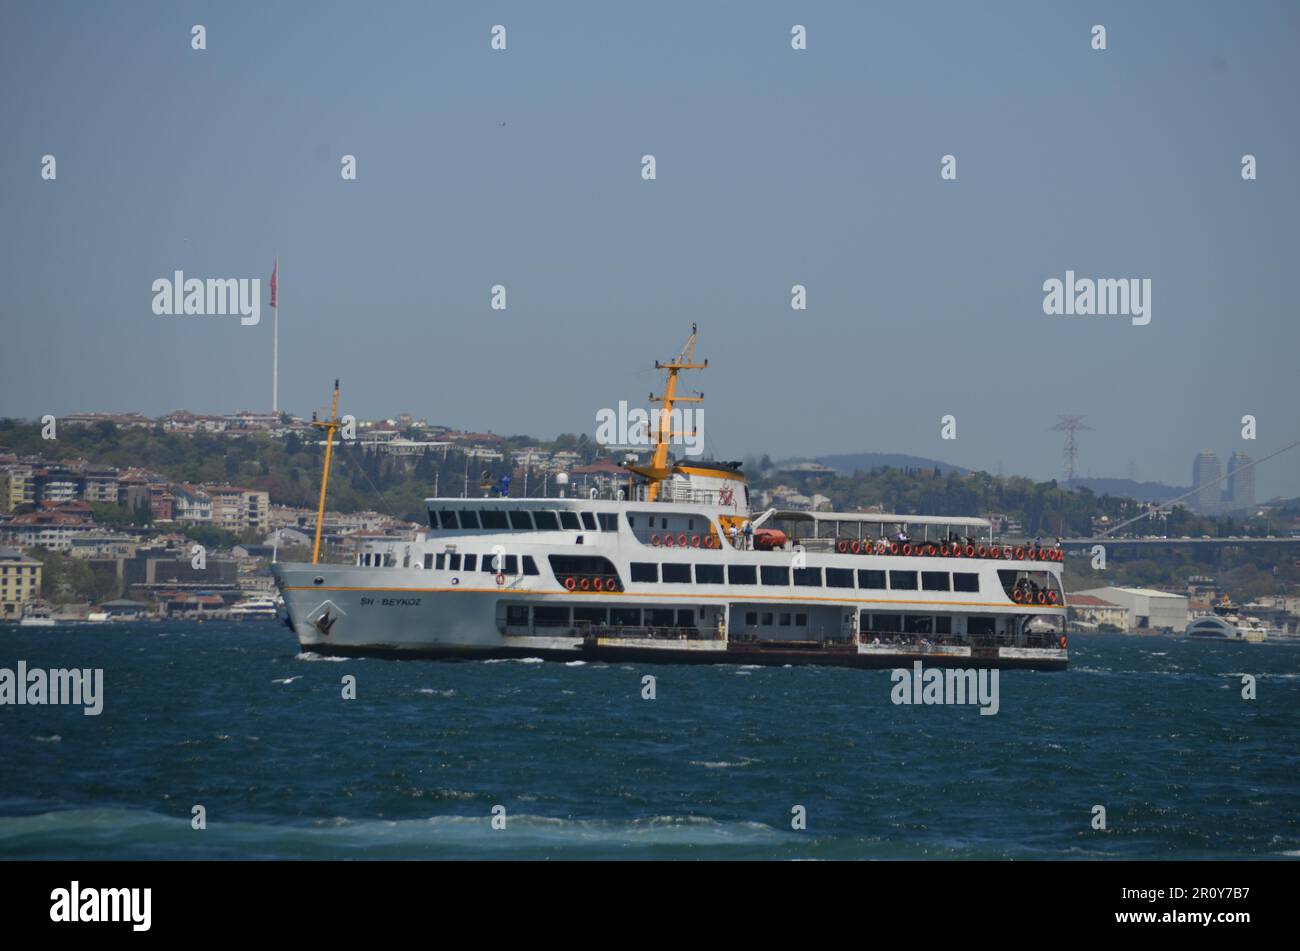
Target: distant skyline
775,167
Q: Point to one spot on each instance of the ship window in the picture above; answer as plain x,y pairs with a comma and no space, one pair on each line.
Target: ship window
512,565
801,620
965,581
492,562
751,618
708,574
521,520
742,574
569,520
981,626
471,562
625,617
493,518
448,518
468,518
645,571
870,578
591,615
887,623
690,524
659,617
530,566
677,573
546,521
550,616
608,521
775,574
441,562
428,561
839,577
917,623
785,619
433,519
902,580
767,618
517,615
943,625
453,562
589,521
808,577
686,617
934,580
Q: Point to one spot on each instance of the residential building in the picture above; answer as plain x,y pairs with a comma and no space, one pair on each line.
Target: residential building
20,582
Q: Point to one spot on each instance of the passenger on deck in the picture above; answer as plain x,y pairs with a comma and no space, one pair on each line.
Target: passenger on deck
749,535
735,536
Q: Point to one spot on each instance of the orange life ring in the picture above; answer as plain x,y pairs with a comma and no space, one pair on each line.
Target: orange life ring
1020,554
710,541
501,578
983,552
1063,642
943,551
1018,595
611,584
1042,598
668,541
654,540
570,583
907,549
956,551
929,550
695,541
585,584
681,540
841,546
598,584
856,548
1051,596
893,548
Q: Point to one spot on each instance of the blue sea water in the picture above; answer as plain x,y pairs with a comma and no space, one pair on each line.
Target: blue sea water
232,717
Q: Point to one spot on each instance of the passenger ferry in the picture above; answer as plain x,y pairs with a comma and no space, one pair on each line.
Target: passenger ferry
676,566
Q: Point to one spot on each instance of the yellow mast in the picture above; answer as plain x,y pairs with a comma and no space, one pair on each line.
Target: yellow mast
330,425
658,469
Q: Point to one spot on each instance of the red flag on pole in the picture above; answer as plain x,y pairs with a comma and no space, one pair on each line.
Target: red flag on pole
275,276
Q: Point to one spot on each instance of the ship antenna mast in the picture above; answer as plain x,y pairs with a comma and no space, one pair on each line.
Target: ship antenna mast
658,468
330,426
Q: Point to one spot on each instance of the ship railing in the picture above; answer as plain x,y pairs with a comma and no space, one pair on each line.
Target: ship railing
647,632
931,549
1035,639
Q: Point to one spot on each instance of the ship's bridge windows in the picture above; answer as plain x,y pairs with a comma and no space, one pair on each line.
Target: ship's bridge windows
449,519
965,581
775,575
645,571
676,573
569,521
808,577
934,581
589,521
708,574
501,564
839,577
521,521
433,519
871,579
902,580
742,574
468,518
546,521
493,518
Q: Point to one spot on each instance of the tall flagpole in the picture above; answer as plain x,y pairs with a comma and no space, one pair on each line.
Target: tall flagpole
275,340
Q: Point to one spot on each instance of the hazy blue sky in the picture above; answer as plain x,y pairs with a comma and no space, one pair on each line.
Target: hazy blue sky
775,167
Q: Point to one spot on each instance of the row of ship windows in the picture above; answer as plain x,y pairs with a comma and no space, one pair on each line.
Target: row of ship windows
549,616
782,576
522,520
493,564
